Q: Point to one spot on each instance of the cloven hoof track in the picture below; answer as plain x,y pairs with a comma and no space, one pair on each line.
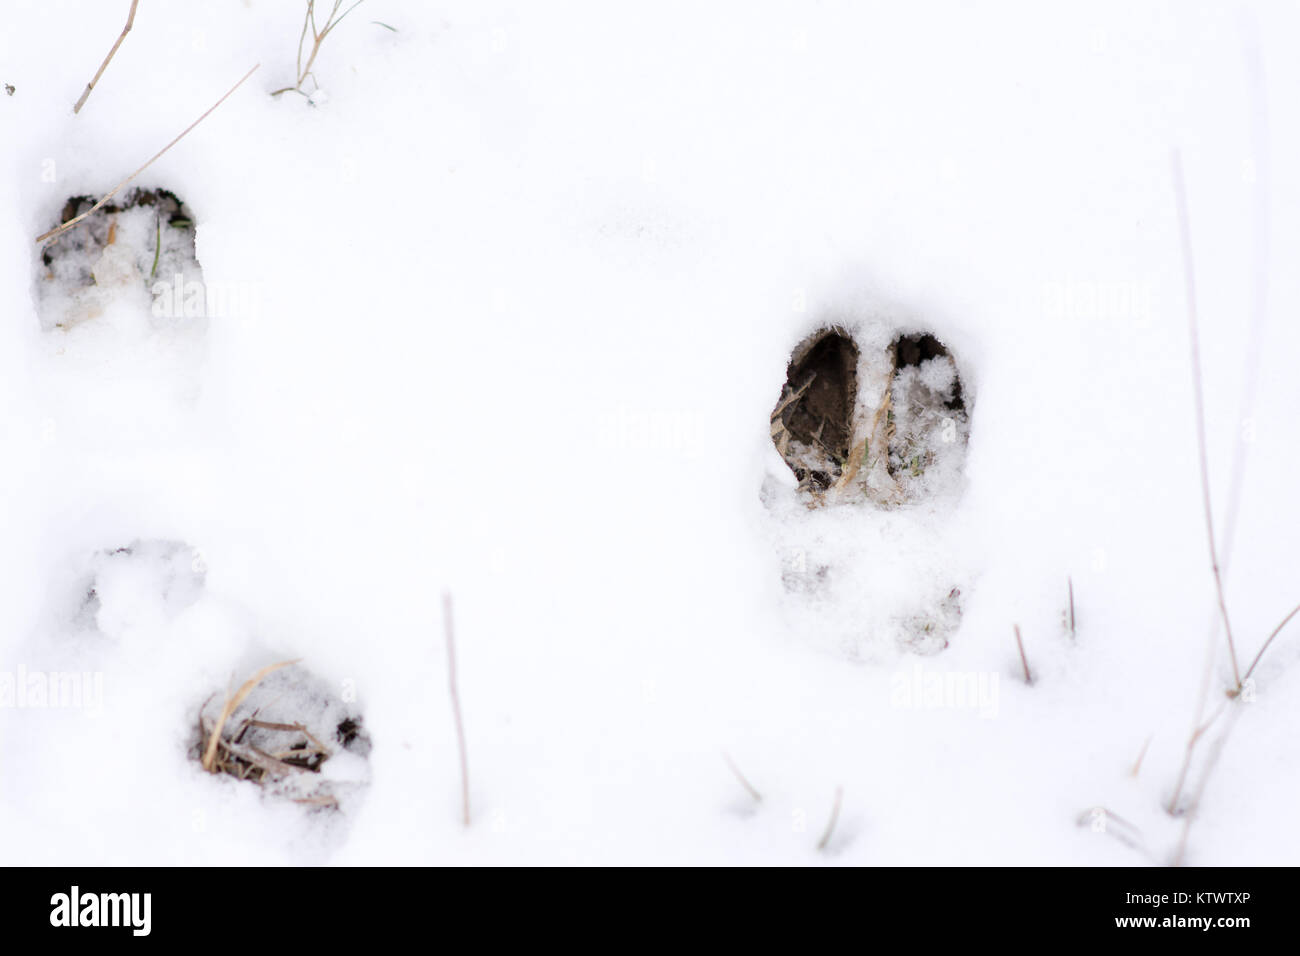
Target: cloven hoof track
903,443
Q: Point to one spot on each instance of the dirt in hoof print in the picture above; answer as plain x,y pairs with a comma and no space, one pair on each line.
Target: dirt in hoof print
813,421
289,733
888,424
137,249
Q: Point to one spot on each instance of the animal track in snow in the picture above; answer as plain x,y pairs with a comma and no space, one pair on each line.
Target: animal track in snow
123,252
874,422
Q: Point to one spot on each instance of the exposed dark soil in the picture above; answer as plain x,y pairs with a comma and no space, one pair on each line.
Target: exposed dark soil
816,409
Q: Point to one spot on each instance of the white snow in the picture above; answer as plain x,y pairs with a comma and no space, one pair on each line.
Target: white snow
525,282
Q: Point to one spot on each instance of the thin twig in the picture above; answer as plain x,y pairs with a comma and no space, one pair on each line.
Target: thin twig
1189,279
271,763
1210,762
830,824
308,18
753,792
318,37
130,20
292,728
247,722
1137,764
232,703
1276,631
1250,377
1200,731
1180,195
1070,582
1192,741
1024,662
1203,694
332,23
455,705
59,230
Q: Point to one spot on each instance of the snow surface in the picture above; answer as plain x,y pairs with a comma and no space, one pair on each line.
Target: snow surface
527,278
